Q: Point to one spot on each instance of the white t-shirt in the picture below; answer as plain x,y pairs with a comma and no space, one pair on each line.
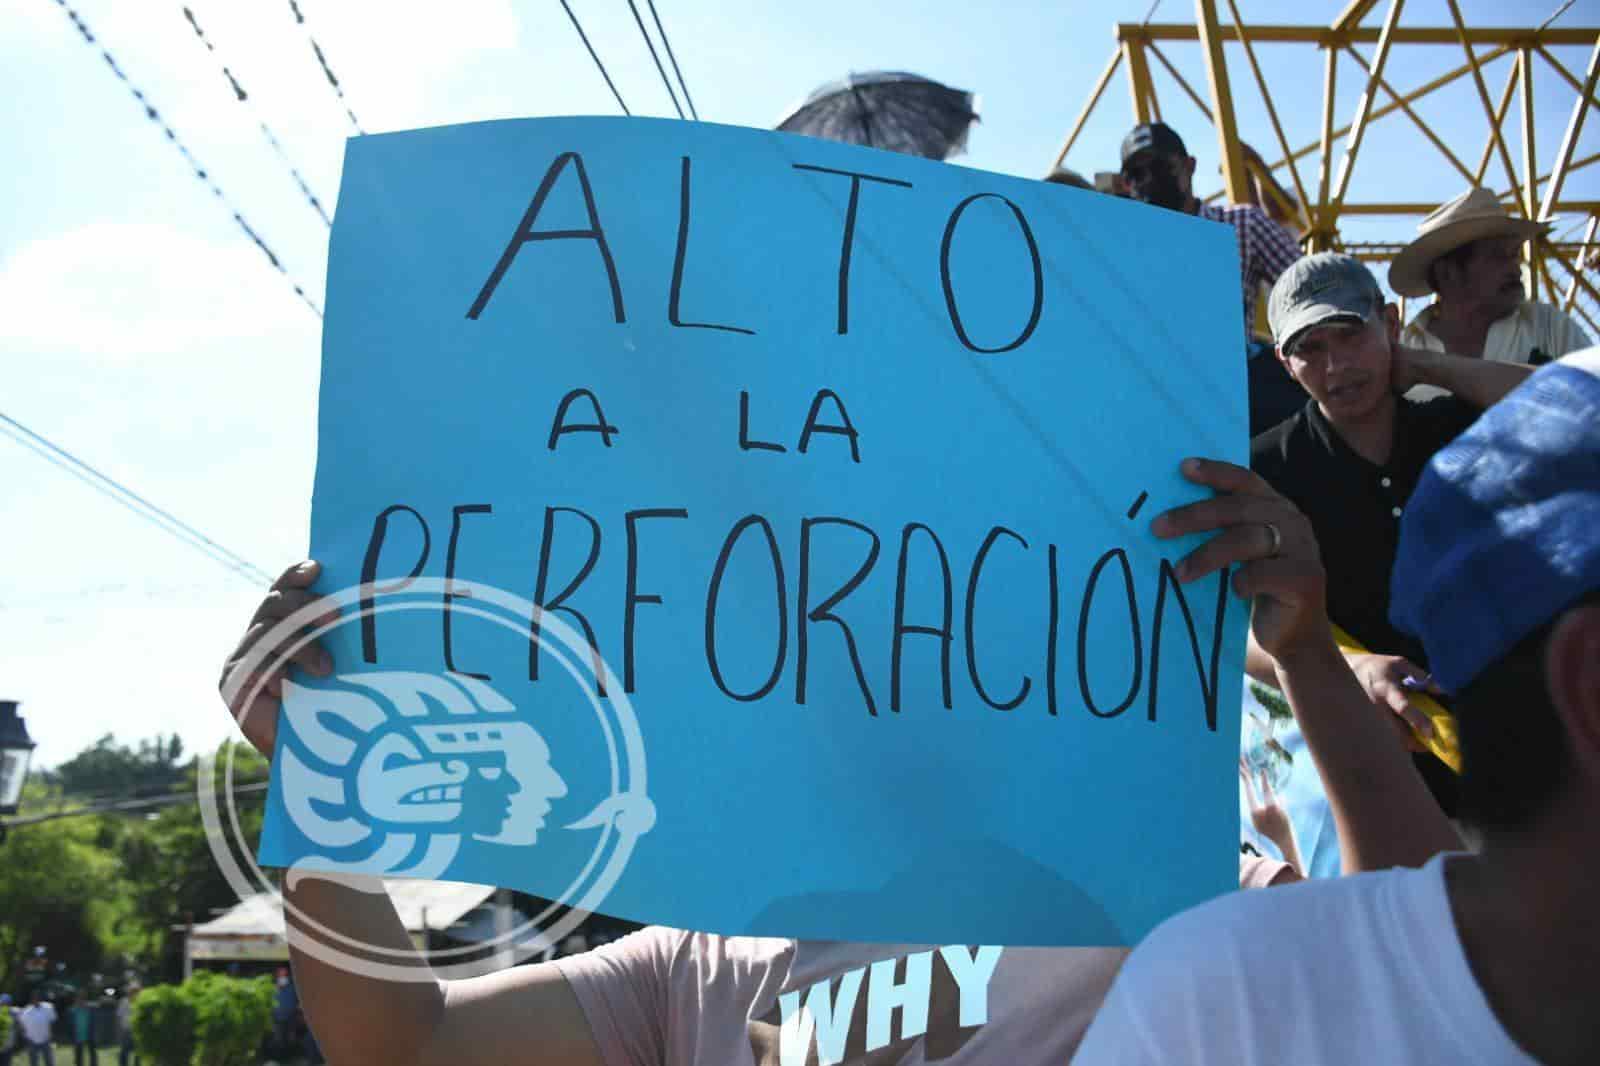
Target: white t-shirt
36,1020
1534,333
1359,969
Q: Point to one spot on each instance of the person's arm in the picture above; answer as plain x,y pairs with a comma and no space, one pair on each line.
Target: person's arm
1381,677
391,1009
527,1014
1269,817
1480,382
1384,813
1381,808
1258,665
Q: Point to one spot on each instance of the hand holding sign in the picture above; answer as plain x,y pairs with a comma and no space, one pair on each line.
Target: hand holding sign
1279,567
253,700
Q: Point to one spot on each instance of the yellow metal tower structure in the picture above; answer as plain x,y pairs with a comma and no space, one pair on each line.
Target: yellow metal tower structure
1561,268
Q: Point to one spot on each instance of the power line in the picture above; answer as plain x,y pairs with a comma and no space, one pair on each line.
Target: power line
668,45
175,787
200,172
584,37
659,68
121,806
102,488
266,131
327,71
111,487
108,486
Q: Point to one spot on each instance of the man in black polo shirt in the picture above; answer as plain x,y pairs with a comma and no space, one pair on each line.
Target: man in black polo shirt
1350,458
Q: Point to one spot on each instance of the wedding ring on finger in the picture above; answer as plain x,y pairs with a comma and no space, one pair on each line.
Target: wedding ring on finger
1277,540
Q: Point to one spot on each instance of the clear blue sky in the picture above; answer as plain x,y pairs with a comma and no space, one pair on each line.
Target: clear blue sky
140,329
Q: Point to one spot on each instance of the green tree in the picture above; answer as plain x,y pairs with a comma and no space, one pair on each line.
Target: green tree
167,861
103,891
115,771
50,875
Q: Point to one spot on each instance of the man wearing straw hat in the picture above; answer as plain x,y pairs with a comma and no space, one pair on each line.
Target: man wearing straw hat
1468,253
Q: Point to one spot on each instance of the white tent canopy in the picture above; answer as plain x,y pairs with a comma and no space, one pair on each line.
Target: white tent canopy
253,929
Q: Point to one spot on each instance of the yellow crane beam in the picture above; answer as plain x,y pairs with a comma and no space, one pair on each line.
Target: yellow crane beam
1234,179
1317,205
1323,35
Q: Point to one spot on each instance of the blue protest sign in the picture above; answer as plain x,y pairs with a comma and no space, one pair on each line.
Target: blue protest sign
754,533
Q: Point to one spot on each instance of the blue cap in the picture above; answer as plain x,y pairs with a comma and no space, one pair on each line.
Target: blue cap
1503,530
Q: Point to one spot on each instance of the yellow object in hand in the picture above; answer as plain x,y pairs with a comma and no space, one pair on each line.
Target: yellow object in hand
1445,742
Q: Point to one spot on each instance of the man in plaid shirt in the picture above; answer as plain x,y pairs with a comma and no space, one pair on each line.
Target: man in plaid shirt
1158,169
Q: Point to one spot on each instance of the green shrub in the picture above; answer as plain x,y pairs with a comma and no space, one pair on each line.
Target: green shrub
233,1016
164,1026
6,1026
209,1020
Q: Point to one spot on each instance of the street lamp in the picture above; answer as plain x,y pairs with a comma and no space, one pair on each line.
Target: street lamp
16,749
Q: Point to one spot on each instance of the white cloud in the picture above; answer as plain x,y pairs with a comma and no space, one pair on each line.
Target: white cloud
119,291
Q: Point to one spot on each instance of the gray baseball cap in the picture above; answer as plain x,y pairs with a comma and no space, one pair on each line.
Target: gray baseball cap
1319,289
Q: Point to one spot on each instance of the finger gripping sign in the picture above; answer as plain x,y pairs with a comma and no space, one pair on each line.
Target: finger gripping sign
749,533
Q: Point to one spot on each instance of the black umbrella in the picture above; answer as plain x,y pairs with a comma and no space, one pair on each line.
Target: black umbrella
888,109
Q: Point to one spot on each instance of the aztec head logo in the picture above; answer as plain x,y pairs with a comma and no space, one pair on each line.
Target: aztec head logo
436,759
430,776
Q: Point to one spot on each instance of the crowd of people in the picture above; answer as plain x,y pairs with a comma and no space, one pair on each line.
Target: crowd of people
37,1027
1431,489
1467,256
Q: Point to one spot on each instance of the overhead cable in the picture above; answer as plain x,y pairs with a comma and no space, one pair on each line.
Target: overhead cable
322,61
648,43
674,59
266,131
200,172
584,37
122,806
109,486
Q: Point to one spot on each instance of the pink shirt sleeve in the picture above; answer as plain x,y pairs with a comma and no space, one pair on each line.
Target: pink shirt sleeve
622,988
1256,871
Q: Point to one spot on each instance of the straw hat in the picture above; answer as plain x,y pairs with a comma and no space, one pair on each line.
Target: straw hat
1472,216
